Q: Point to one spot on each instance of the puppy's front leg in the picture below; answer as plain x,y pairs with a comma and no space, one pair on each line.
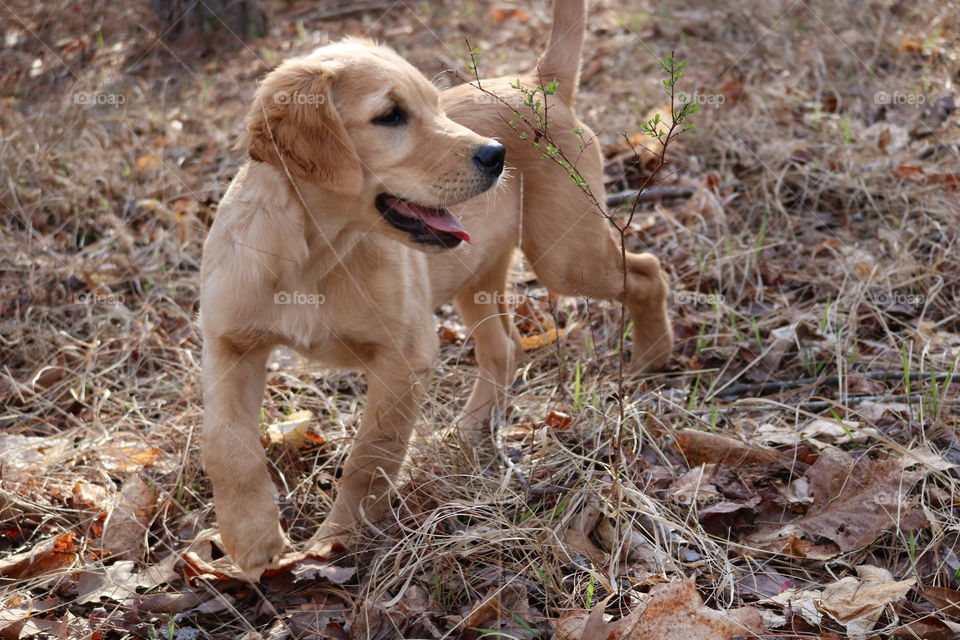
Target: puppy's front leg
233,381
394,393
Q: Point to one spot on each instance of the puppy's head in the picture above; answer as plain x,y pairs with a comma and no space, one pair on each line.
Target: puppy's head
358,120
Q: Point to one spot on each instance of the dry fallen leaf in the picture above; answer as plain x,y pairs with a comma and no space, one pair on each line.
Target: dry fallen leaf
947,601
696,486
128,457
294,431
700,447
28,456
315,569
529,343
498,612
820,433
673,611
52,555
147,164
857,603
557,420
499,15
576,535
923,454
115,582
124,530
854,501
634,546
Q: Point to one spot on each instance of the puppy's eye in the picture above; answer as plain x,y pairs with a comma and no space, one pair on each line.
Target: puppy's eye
393,118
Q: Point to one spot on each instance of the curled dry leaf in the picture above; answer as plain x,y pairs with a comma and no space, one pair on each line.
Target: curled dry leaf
696,486
673,611
165,602
557,420
857,604
536,341
700,447
923,454
819,433
498,611
125,528
294,431
576,535
636,548
52,555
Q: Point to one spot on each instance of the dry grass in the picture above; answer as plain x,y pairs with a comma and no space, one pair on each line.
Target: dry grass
816,207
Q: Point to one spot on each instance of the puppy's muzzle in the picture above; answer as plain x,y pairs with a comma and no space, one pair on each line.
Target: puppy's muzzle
489,158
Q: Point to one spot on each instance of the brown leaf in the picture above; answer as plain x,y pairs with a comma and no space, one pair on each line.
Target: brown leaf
854,501
673,611
499,15
557,420
125,527
918,174
576,535
128,457
28,456
498,611
116,582
86,496
373,622
700,447
928,628
49,556
172,602
947,601
147,164
294,431
635,546
857,603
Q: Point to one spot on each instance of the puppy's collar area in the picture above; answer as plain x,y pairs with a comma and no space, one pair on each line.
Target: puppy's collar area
436,227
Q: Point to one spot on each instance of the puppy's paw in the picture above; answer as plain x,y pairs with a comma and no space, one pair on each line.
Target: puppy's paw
330,541
651,353
652,329
255,545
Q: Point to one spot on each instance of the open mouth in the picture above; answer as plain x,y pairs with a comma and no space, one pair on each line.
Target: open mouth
436,227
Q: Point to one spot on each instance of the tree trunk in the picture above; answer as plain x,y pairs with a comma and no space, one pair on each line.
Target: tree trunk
178,18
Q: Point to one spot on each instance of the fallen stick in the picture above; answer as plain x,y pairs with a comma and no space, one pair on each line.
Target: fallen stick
784,385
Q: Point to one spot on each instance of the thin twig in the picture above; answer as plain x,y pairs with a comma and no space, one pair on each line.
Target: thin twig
763,388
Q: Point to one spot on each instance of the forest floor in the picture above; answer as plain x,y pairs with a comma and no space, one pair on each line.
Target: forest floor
794,470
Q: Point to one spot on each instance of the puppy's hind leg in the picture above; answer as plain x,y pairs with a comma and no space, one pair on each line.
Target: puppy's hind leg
489,321
573,251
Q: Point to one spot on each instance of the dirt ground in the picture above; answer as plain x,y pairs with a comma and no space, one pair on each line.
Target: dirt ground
792,475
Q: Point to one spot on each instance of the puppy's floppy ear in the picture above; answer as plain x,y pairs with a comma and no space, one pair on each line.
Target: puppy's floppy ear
294,123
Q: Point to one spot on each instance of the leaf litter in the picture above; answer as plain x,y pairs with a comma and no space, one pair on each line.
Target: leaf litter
794,473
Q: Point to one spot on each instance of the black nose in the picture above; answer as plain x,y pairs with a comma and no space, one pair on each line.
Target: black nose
489,158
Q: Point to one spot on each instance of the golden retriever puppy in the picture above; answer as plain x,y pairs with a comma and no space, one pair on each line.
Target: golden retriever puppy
364,205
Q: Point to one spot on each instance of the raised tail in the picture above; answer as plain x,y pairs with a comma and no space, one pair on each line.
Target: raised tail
561,60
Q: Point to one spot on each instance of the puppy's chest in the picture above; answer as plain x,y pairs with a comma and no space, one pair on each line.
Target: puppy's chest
318,320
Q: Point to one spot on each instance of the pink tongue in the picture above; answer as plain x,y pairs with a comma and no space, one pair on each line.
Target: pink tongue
436,219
